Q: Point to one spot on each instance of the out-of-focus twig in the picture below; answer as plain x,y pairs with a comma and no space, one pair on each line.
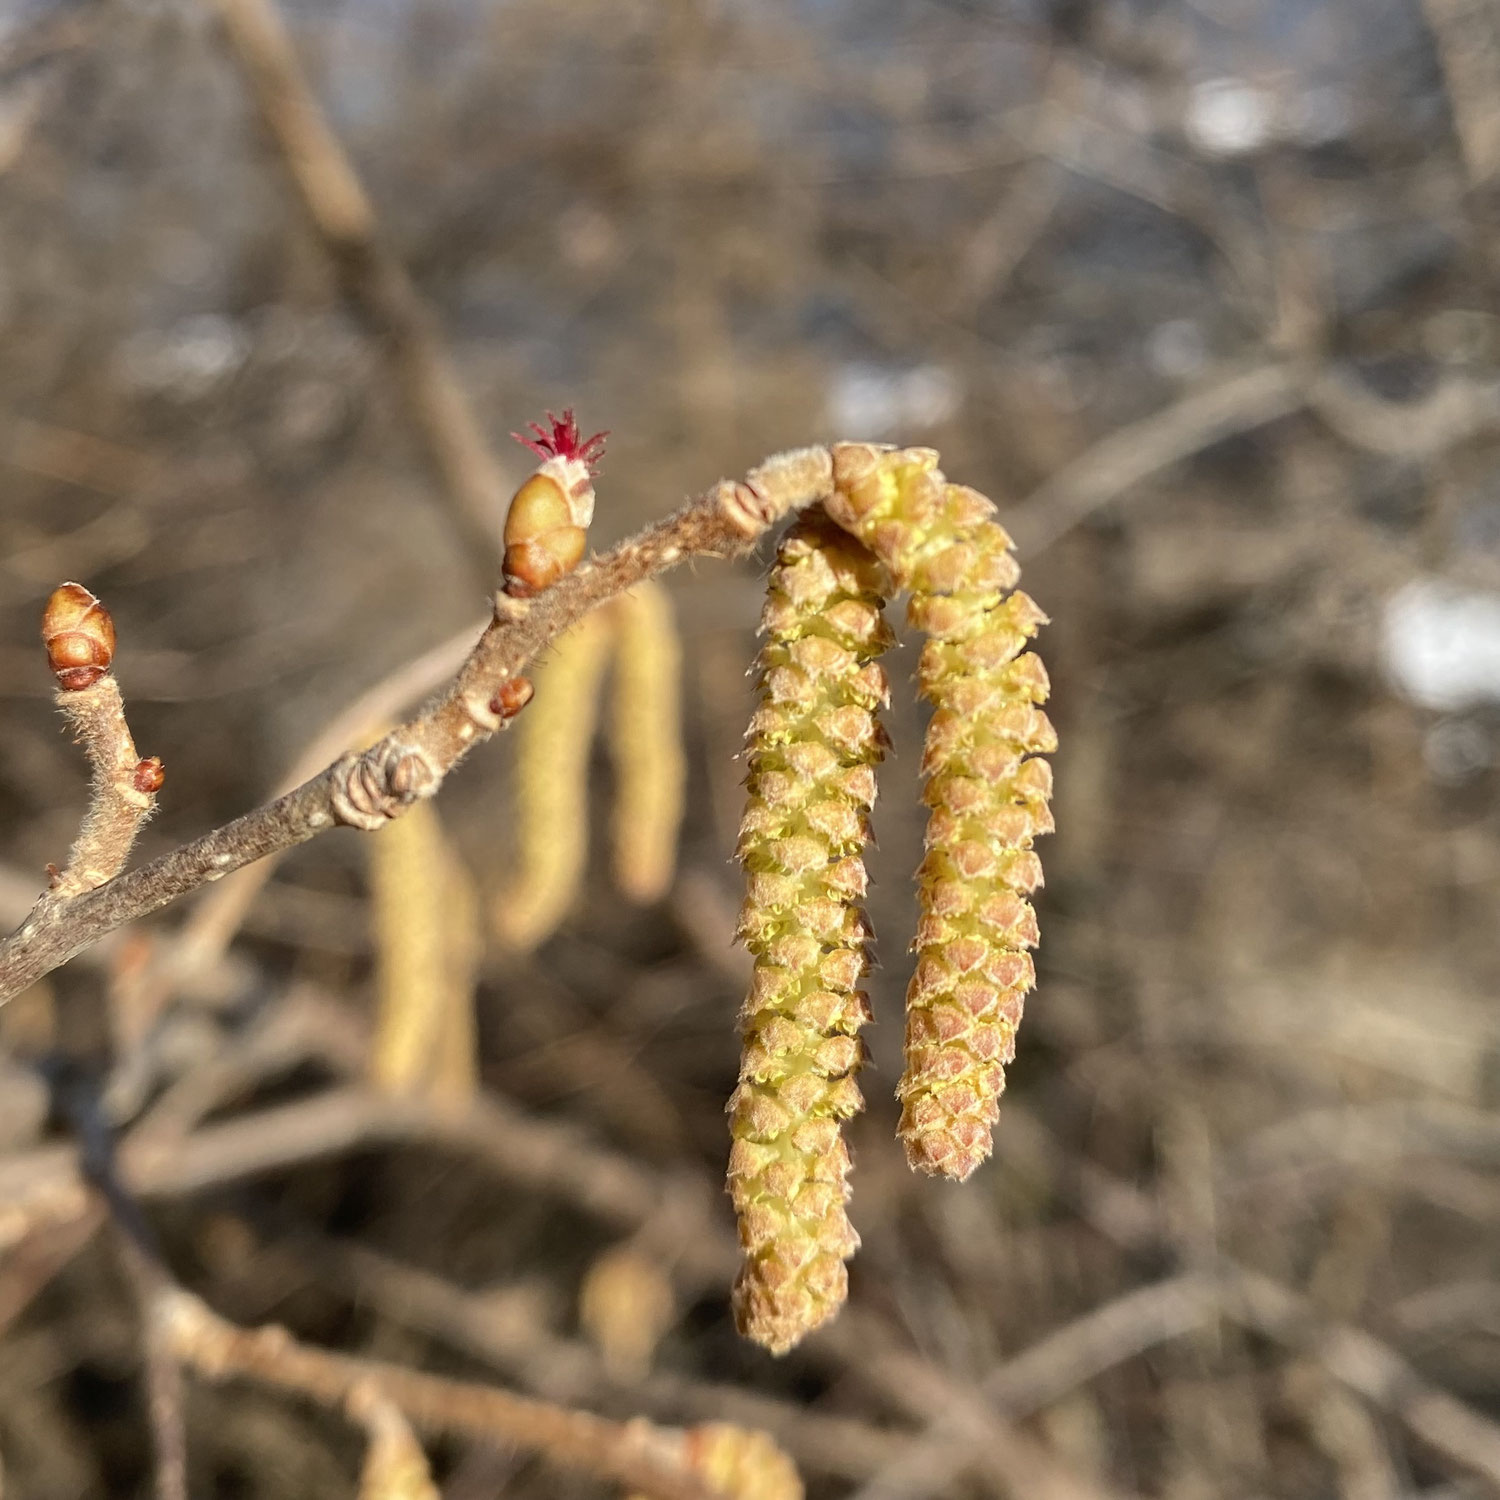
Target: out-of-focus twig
1446,1425
149,1280
633,1453
1048,1370
1467,33
1235,403
340,211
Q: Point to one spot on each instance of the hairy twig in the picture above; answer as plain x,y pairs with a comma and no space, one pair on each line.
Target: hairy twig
366,790
80,639
340,212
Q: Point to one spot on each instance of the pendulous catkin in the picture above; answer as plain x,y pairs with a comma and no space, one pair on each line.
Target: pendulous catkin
812,749
986,790
551,788
645,742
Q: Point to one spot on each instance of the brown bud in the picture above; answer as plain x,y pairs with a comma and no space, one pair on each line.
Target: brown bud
149,775
79,636
512,697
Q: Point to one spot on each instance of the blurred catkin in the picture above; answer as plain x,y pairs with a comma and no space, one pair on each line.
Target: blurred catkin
736,1462
551,787
645,738
427,948
741,1463
625,1306
986,791
813,745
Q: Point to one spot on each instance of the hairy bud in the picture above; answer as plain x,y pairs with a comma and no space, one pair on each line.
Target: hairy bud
79,636
546,528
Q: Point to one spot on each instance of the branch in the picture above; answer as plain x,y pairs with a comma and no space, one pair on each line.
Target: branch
80,639
366,790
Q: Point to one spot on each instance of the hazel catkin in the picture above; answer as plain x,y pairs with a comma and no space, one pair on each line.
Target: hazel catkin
986,791
813,746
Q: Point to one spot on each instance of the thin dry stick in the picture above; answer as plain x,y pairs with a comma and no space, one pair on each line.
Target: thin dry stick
631,1453
341,214
365,791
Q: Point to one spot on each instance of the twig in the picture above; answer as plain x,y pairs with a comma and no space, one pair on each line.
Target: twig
341,214
364,791
80,639
631,1453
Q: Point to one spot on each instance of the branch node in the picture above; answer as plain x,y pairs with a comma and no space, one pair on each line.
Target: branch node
371,788
743,506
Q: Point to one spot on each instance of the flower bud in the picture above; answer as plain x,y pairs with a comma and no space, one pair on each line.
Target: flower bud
148,776
546,528
79,636
512,697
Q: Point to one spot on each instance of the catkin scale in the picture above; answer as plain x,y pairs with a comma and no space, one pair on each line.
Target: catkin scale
986,792
812,747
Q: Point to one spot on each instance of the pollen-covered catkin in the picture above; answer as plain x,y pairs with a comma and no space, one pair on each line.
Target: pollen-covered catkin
813,746
986,790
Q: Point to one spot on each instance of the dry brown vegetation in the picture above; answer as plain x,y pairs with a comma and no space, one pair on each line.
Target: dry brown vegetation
1206,290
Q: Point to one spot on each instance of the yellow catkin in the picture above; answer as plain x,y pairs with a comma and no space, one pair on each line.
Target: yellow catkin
426,935
813,746
742,1463
986,790
625,1306
551,787
646,742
